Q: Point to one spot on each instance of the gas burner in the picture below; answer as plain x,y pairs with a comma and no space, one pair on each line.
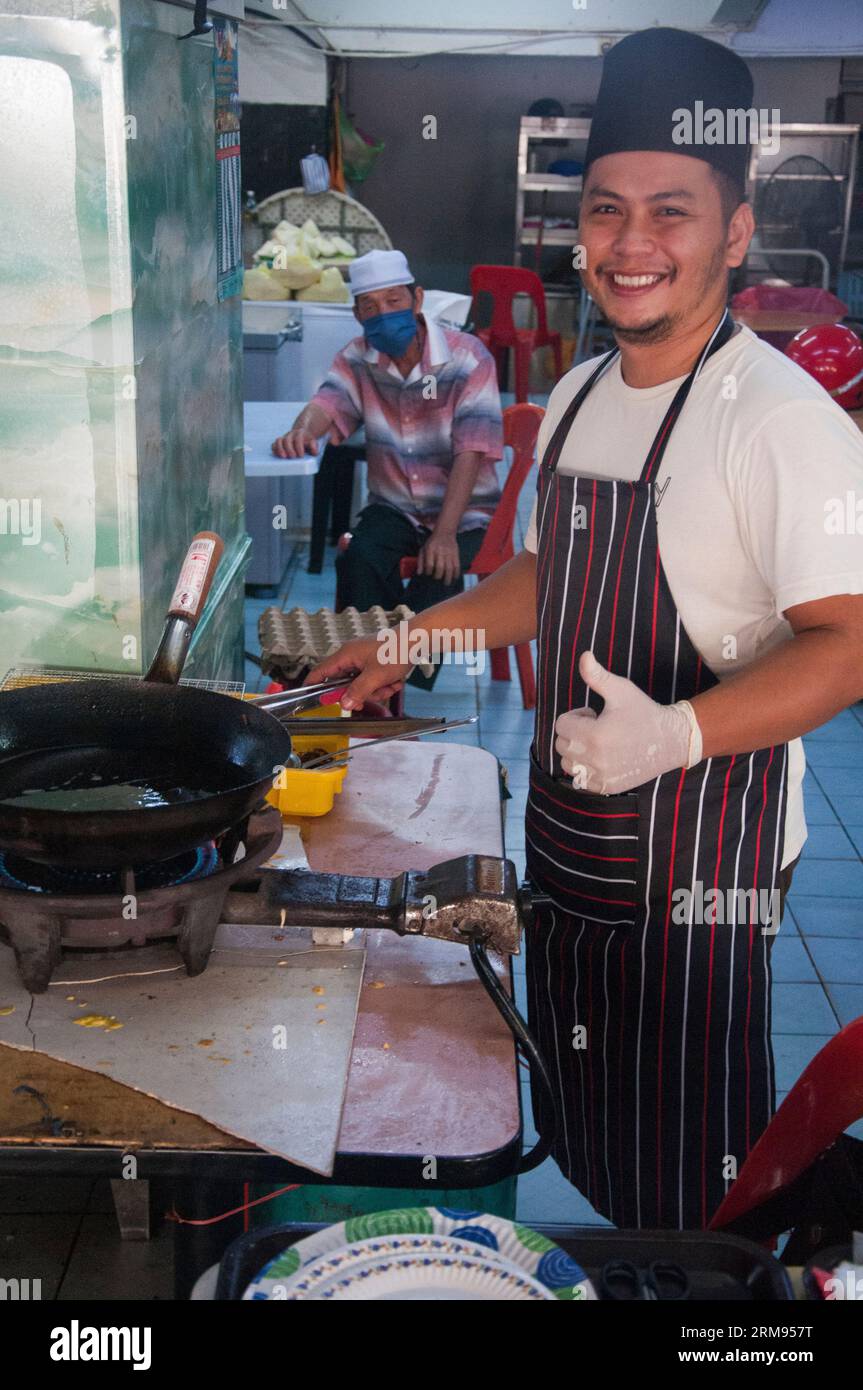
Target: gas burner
46,910
22,875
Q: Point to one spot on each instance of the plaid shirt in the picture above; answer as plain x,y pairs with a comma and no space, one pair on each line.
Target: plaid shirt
412,437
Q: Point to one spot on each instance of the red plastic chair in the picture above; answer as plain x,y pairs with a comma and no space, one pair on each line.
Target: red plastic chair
503,282
520,428
827,1099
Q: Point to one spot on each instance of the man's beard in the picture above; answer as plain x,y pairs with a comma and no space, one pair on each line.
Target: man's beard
656,331
660,329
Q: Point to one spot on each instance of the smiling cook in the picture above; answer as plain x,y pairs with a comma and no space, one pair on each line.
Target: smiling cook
693,618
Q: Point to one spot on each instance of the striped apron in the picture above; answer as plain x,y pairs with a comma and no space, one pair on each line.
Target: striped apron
652,1010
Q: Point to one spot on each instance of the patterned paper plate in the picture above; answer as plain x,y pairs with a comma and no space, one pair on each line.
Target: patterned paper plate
501,1240
313,1279
454,1277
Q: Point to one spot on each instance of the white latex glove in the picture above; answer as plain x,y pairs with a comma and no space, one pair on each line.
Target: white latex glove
632,741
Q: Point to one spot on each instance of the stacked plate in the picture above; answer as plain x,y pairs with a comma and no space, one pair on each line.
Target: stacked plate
423,1253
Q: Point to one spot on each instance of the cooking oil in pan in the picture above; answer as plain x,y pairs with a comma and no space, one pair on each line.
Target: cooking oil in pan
90,779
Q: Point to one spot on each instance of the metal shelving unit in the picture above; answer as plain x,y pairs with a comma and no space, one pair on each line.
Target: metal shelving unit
534,134
836,147
551,197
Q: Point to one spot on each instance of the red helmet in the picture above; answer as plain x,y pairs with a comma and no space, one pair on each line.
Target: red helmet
833,354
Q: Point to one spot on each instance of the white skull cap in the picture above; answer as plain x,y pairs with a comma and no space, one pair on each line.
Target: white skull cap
378,270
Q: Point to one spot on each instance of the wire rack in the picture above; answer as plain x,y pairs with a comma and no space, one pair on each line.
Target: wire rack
20,677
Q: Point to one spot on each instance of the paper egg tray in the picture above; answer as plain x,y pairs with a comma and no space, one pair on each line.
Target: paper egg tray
294,641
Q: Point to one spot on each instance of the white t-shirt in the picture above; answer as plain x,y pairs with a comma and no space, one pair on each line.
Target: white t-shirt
763,473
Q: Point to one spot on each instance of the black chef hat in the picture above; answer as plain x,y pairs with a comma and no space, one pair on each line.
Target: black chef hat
649,76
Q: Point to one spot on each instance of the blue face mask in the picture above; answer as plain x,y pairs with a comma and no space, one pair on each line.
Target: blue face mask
391,333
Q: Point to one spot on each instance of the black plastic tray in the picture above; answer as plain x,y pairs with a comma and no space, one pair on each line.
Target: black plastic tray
720,1267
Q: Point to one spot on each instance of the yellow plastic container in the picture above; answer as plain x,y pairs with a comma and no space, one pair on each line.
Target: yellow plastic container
300,793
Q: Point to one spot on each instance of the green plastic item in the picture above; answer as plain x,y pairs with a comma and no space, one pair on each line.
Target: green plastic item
330,1204
359,154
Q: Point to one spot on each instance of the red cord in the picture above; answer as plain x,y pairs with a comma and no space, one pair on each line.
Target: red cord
173,1215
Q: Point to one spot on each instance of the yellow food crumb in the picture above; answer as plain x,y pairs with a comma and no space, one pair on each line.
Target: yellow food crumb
376,984
106,1021
320,1006
318,989
282,962
70,998
7,1009
386,1047
321,1020
205,1042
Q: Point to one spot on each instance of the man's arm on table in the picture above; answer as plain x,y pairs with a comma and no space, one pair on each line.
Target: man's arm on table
499,612
302,438
335,411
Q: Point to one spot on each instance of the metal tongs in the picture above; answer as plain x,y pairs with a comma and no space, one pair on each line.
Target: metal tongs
306,697
339,758
310,726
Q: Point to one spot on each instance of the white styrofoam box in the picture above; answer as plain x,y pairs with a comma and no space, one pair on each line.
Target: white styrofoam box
266,315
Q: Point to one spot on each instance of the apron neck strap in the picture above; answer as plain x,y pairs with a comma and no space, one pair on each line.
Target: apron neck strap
551,456
718,339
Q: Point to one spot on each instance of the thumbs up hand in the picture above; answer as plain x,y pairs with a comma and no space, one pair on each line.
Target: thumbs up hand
632,741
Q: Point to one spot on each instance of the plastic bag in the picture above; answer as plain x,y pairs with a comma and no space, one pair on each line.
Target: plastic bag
359,154
315,173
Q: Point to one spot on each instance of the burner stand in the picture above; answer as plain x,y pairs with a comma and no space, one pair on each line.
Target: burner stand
38,926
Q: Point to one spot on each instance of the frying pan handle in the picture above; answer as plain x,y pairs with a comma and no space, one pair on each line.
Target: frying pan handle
187,605
196,576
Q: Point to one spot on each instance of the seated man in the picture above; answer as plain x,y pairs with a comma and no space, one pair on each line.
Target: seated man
429,402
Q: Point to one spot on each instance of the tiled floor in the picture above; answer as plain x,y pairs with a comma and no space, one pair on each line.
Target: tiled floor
66,1228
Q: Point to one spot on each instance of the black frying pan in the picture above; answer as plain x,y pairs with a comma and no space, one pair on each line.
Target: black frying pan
217,755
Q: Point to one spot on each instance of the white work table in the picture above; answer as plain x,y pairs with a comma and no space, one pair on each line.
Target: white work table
264,421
